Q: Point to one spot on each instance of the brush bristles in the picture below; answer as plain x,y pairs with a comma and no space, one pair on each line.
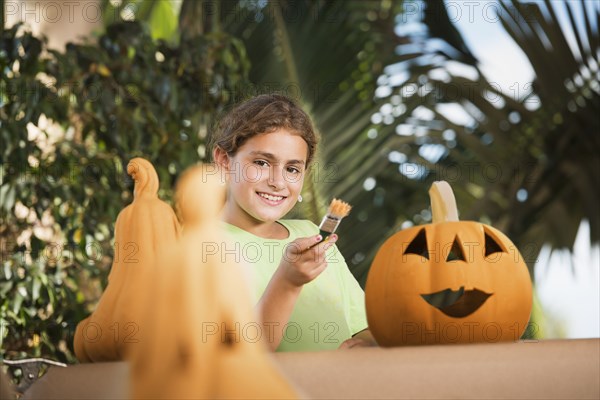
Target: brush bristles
339,208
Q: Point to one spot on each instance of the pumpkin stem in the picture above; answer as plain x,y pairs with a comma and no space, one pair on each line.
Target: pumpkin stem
443,203
145,177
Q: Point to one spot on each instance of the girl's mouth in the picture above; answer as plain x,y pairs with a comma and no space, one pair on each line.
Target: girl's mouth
270,198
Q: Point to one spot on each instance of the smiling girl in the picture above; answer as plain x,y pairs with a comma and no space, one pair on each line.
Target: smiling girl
308,299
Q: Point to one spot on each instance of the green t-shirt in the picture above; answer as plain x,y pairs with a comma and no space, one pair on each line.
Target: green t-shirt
329,310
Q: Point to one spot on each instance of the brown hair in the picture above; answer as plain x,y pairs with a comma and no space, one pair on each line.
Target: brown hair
263,114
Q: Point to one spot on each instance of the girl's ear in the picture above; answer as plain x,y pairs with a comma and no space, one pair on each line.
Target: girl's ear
221,158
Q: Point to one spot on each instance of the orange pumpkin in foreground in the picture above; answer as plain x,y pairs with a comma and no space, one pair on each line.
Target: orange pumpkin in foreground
198,331
142,231
448,282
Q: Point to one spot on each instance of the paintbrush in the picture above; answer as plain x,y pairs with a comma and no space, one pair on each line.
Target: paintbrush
338,209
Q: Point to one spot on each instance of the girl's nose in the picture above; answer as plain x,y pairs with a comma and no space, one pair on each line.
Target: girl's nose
276,178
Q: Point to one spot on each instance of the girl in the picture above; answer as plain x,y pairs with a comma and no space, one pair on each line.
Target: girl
309,300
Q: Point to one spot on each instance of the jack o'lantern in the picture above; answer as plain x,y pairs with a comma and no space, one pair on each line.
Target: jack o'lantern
447,282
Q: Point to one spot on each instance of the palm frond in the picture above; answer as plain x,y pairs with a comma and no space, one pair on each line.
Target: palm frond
530,171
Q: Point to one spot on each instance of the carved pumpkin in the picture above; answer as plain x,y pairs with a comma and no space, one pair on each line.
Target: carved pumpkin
447,282
142,230
198,332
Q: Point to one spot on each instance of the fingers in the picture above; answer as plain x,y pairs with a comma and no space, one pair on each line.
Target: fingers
305,258
317,253
354,342
327,243
300,245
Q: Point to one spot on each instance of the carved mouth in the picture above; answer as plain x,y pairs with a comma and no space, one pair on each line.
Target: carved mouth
457,303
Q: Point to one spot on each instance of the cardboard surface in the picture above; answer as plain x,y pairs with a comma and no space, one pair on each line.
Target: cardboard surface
555,369
108,380
524,370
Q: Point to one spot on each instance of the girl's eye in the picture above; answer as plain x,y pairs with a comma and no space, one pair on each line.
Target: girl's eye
293,170
261,163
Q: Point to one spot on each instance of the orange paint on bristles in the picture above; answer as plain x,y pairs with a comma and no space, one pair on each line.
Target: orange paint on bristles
339,208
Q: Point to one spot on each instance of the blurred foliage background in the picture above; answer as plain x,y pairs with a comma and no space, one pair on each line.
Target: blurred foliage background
152,82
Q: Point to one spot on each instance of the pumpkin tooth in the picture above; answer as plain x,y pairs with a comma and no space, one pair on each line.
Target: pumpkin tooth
459,303
443,298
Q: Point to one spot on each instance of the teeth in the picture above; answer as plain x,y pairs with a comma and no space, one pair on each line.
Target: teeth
269,197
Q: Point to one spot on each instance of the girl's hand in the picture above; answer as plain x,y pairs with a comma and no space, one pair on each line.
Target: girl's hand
355,342
302,263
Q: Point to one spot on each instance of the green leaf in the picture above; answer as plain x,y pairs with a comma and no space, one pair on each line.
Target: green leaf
35,289
18,300
5,287
7,196
163,21
7,271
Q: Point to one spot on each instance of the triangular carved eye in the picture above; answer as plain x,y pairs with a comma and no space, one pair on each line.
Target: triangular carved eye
492,245
418,245
456,252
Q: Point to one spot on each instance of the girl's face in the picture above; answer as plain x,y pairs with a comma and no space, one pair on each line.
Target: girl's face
264,177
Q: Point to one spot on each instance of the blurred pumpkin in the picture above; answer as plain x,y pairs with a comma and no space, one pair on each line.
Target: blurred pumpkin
198,327
447,282
142,230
